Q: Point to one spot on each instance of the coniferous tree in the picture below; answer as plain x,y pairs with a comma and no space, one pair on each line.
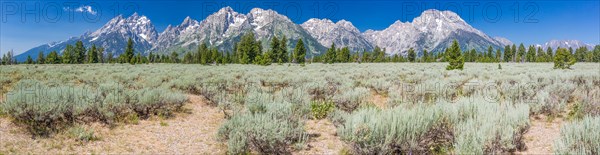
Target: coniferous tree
489,56
513,51
378,55
521,53
580,53
129,52
40,58
100,56
52,58
283,51
188,58
366,56
530,54
330,55
248,48
412,56
498,56
299,52
93,55
174,57
426,56
549,54
563,59
541,55
507,54
29,60
80,52
69,55
109,57
343,55
274,51
454,56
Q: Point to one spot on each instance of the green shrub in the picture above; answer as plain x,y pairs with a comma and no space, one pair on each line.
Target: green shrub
265,126
398,130
467,127
579,137
350,100
490,128
44,110
82,134
320,110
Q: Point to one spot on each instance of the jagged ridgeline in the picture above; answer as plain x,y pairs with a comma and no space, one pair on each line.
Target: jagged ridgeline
433,30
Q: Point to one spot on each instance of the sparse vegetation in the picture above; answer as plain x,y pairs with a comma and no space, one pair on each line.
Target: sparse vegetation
579,137
479,110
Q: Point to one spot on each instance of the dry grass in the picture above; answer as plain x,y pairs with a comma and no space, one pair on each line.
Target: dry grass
186,133
378,100
323,138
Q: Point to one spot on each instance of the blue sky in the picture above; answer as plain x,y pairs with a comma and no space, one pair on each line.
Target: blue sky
529,22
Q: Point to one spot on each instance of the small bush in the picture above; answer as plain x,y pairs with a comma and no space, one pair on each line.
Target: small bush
45,110
320,110
579,137
265,126
350,100
82,134
398,130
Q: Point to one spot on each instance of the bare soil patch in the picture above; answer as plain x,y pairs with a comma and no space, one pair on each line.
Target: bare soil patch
323,138
541,135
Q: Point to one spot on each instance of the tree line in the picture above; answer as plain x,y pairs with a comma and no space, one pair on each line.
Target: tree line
250,51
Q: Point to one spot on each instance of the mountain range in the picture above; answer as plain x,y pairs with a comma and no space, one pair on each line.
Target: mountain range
433,30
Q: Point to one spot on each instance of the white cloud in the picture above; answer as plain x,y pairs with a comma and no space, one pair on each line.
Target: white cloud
85,8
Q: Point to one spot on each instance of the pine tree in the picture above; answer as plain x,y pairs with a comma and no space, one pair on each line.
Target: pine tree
498,56
29,60
248,48
40,58
489,55
188,58
412,56
521,54
541,56
174,57
69,55
109,57
275,53
101,55
299,52
378,55
93,55
80,52
530,54
549,54
52,58
283,51
330,55
507,54
366,56
513,53
563,59
343,55
129,51
426,56
454,56
580,54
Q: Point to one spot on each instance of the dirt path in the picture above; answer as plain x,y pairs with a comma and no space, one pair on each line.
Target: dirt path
193,133
541,136
323,138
